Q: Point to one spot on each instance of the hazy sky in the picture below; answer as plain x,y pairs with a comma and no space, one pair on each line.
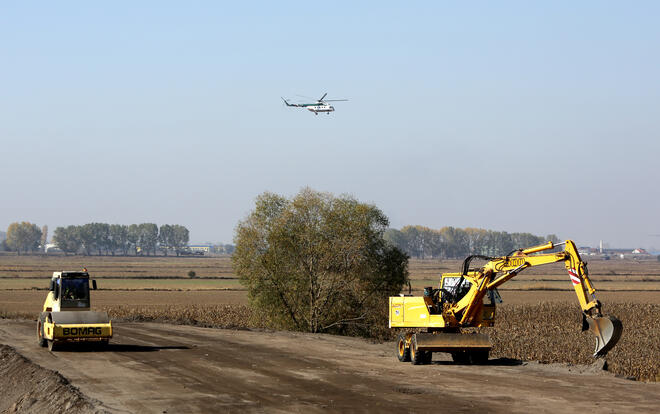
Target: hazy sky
515,116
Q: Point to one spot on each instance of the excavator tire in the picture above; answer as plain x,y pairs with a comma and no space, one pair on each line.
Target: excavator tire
40,332
461,357
429,357
418,357
402,351
478,357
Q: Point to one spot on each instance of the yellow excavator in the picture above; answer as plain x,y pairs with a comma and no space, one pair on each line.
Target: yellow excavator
459,303
66,315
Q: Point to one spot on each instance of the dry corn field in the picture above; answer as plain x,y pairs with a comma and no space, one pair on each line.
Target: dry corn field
551,332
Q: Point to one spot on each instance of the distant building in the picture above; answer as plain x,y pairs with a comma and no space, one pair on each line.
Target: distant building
639,251
51,247
206,248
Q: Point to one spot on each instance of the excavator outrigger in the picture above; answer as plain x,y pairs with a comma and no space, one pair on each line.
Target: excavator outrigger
459,303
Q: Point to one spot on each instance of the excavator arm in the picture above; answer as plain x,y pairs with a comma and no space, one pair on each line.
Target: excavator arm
499,270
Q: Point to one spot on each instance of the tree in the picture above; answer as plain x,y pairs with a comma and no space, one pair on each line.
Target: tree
23,237
102,239
318,263
44,237
118,235
396,238
67,239
229,249
133,237
148,237
180,237
165,237
86,235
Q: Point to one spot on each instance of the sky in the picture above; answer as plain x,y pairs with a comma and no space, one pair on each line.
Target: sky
512,116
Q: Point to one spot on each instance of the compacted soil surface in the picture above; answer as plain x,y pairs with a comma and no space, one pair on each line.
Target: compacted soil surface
160,368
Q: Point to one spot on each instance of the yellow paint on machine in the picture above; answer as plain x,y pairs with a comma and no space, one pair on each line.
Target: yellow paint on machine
82,331
412,312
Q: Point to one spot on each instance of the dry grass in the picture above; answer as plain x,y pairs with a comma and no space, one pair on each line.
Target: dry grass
551,332
131,284
210,316
116,267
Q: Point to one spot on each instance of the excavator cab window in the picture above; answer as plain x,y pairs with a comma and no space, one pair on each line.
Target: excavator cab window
454,288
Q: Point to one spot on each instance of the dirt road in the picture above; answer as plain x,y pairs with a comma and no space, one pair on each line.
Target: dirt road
159,368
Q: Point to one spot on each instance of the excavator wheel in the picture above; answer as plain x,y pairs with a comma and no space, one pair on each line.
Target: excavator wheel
478,357
402,350
461,357
418,357
429,357
40,333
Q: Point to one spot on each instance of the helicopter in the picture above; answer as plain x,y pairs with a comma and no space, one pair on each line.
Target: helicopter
321,105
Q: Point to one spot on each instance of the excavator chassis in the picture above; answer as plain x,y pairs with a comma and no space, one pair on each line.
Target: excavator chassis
464,348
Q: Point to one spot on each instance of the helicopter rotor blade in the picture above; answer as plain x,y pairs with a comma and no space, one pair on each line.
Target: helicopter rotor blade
321,99
335,100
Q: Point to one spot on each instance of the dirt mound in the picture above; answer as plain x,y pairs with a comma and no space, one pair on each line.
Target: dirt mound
28,388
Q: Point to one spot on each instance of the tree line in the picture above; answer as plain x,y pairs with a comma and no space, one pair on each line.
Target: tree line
451,242
99,238
109,239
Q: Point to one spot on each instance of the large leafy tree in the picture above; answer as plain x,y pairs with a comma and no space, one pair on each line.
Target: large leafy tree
23,237
318,263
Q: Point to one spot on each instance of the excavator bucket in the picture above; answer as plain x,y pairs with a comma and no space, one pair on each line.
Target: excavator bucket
607,329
